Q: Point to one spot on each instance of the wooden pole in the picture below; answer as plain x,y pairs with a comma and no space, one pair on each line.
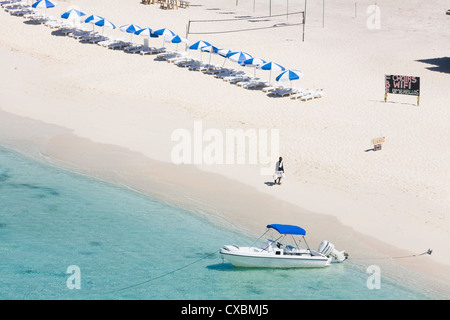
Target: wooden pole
304,22
323,13
287,10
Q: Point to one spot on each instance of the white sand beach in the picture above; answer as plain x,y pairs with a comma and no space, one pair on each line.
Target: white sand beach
111,114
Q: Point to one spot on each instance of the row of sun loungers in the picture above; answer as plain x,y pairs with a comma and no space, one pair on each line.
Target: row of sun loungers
180,58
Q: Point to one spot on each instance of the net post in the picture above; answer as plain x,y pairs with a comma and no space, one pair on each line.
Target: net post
304,22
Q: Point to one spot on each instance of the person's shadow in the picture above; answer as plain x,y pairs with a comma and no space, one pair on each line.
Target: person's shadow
269,183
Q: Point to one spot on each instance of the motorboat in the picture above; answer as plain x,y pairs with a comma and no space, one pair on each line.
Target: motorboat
276,253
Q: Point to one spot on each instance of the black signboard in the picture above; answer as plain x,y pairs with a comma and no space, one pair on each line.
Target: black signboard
402,85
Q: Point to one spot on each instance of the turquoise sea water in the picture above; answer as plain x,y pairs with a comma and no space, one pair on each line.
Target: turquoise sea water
129,246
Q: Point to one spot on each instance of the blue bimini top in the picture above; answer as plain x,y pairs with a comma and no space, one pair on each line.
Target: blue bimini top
287,229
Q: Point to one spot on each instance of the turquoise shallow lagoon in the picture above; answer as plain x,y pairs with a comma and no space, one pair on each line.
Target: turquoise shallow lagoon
130,246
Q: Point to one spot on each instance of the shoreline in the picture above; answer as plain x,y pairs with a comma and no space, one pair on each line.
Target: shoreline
139,173
105,105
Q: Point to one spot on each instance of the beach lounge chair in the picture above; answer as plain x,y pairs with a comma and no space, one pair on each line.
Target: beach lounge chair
238,79
255,84
282,92
106,42
78,34
98,39
120,44
206,67
234,76
13,5
165,55
88,36
318,94
308,95
188,63
216,70
133,48
22,11
272,88
298,94
176,56
225,73
152,50
54,23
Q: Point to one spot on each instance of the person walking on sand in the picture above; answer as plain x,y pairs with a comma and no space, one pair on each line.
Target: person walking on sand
279,171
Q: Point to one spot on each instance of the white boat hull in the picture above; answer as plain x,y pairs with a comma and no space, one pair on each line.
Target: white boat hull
244,257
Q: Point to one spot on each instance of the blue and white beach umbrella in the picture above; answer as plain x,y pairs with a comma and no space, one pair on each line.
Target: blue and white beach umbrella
176,39
224,53
44,4
130,28
146,32
289,75
164,32
209,49
105,23
199,45
272,66
92,19
72,14
254,62
239,56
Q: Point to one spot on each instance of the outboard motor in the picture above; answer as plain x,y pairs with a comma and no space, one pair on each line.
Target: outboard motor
327,249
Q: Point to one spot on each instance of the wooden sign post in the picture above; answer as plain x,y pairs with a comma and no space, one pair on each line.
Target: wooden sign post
395,84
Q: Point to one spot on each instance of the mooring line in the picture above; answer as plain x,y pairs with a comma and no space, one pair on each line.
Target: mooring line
429,251
168,273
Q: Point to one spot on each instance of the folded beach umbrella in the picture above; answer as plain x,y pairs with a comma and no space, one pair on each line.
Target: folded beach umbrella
130,28
272,66
105,23
254,62
289,75
44,4
72,14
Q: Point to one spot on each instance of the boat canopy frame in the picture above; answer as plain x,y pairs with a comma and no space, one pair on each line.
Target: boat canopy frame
285,229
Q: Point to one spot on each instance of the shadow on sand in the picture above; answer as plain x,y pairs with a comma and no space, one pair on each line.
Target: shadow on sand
438,64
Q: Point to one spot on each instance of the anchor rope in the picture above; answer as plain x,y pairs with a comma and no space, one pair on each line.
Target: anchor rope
168,273
429,251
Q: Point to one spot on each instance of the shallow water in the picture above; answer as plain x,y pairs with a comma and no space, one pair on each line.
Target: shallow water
130,246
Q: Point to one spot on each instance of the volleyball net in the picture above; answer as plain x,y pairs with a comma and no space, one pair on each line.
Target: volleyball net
247,24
